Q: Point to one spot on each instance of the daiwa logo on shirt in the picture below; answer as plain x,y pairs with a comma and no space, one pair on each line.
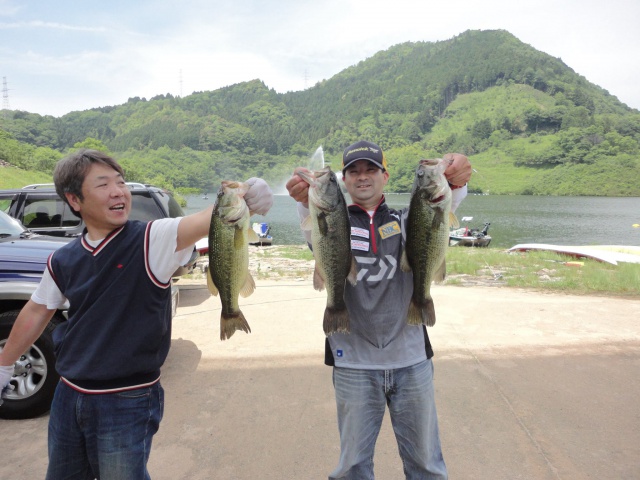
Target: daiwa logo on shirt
339,353
372,269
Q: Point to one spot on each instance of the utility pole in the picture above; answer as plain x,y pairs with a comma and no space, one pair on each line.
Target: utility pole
180,83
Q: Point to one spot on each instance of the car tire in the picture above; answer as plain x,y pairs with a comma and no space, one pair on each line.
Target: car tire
35,378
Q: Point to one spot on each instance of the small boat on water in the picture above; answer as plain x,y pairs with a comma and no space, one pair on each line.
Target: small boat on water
470,237
262,230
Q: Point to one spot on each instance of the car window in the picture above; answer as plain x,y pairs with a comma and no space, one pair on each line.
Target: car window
173,207
144,208
38,212
43,212
68,217
5,202
169,204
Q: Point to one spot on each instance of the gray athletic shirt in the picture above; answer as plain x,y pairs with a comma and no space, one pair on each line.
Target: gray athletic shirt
380,337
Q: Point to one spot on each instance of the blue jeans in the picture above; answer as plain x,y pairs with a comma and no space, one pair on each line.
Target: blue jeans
361,397
104,436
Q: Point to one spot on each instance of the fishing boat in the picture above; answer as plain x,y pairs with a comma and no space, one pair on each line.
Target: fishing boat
262,230
470,237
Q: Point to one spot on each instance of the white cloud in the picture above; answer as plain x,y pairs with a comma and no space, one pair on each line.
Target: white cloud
36,24
102,54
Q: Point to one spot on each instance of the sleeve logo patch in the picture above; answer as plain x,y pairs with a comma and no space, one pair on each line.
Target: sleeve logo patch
389,230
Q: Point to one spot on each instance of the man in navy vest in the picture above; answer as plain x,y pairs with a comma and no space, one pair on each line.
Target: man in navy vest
117,278
383,362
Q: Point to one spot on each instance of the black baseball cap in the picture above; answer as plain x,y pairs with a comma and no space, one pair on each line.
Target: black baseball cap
364,150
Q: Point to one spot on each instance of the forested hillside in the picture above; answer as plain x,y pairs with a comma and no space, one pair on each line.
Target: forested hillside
529,123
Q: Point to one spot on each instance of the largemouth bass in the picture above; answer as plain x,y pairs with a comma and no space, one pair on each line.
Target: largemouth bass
331,239
228,274
427,230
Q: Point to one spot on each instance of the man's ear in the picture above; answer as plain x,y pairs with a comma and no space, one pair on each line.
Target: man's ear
74,201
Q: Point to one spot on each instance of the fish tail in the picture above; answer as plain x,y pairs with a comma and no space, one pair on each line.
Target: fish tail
430,312
230,323
415,314
422,313
336,320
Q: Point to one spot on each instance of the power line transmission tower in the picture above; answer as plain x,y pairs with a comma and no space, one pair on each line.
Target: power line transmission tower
5,96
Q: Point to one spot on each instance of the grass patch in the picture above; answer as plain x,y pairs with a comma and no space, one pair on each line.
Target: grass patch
292,252
12,177
543,271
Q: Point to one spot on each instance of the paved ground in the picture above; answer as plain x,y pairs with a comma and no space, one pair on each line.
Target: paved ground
529,386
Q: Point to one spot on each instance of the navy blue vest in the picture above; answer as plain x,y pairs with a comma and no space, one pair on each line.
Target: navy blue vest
119,328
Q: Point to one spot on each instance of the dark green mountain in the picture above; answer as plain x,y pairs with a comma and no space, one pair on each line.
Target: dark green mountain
529,123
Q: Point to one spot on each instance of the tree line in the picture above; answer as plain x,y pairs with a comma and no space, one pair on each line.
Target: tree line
482,93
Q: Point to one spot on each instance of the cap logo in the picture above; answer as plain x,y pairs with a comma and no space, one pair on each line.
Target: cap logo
362,149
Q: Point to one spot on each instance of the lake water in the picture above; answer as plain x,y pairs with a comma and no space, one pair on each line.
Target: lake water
514,219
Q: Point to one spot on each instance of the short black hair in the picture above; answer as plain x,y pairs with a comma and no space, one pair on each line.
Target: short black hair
70,172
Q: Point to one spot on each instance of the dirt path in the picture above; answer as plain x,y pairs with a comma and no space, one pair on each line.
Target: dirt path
528,385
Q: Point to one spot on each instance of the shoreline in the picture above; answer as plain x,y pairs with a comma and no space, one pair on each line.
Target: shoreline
274,263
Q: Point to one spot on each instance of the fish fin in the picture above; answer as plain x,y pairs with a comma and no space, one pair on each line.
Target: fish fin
438,218
323,226
404,262
318,279
352,278
414,315
229,324
430,321
453,221
252,236
335,320
441,272
212,287
307,224
422,314
248,287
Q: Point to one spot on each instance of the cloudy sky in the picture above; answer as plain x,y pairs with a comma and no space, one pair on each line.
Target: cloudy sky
59,56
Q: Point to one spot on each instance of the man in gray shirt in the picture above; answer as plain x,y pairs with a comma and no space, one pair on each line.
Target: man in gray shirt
383,360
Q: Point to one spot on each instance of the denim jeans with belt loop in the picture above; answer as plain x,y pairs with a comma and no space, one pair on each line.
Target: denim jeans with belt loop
106,436
361,397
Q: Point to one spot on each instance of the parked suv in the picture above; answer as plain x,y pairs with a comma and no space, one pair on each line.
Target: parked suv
23,258
41,210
